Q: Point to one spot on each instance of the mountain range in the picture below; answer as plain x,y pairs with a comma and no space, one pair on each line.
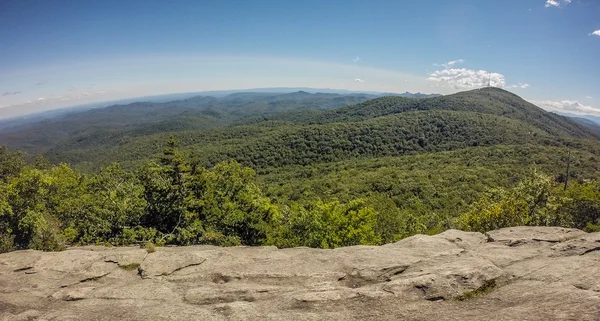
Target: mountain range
270,129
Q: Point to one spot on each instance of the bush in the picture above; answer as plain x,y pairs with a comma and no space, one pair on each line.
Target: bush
590,228
47,236
327,225
535,201
6,242
149,247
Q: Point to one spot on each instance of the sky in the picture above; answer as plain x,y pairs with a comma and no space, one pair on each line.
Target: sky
60,53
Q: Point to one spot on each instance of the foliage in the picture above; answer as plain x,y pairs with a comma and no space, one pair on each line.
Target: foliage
538,200
487,287
130,266
328,225
149,247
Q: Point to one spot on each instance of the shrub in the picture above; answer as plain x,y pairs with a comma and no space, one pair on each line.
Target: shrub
149,247
6,242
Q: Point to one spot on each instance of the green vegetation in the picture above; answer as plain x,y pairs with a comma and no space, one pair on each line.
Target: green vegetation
130,266
537,201
371,173
487,287
171,201
176,201
149,247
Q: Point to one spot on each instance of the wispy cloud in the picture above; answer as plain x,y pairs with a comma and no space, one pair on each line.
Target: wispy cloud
359,80
41,83
557,3
567,106
520,85
450,63
11,93
595,33
463,78
589,97
356,59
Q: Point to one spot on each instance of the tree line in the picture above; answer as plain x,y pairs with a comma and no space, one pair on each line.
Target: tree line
174,199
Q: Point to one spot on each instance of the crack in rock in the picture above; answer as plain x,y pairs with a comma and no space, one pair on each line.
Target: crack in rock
93,278
591,250
23,269
549,241
180,268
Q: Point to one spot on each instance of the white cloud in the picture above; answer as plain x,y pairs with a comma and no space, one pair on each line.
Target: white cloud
463,78
571,106
450,63
359,80
595,33
520,85
40,103
589,97
557,3
453,62
356,59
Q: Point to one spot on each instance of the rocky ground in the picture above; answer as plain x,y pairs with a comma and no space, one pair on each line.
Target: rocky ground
522,273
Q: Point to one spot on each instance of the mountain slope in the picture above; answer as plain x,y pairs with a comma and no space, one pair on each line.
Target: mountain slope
275,144
492,101
146,118
300,128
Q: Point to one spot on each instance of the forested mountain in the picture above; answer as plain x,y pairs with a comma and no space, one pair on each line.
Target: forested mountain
321,170
288,134
493,101
145,118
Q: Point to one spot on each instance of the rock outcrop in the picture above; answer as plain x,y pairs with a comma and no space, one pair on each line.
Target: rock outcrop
521,273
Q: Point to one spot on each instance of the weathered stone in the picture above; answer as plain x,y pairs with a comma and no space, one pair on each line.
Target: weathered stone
523,273
515,236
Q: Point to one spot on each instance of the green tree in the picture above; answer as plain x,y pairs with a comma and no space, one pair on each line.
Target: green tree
165,190
580,204
230,205
11,163
27,211
115,203
328,225
532,202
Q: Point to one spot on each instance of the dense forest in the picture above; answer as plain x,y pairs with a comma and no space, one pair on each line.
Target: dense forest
315,170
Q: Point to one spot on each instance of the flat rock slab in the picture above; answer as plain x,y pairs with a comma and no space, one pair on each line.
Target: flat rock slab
524,234
521,273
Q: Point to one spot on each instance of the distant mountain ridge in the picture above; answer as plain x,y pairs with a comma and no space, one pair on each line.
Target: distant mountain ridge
8,119
298,128
191,113
587,119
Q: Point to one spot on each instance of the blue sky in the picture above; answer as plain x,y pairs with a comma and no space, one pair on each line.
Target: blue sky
58,53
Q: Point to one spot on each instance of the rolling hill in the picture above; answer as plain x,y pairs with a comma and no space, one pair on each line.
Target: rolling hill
301,129
146,118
